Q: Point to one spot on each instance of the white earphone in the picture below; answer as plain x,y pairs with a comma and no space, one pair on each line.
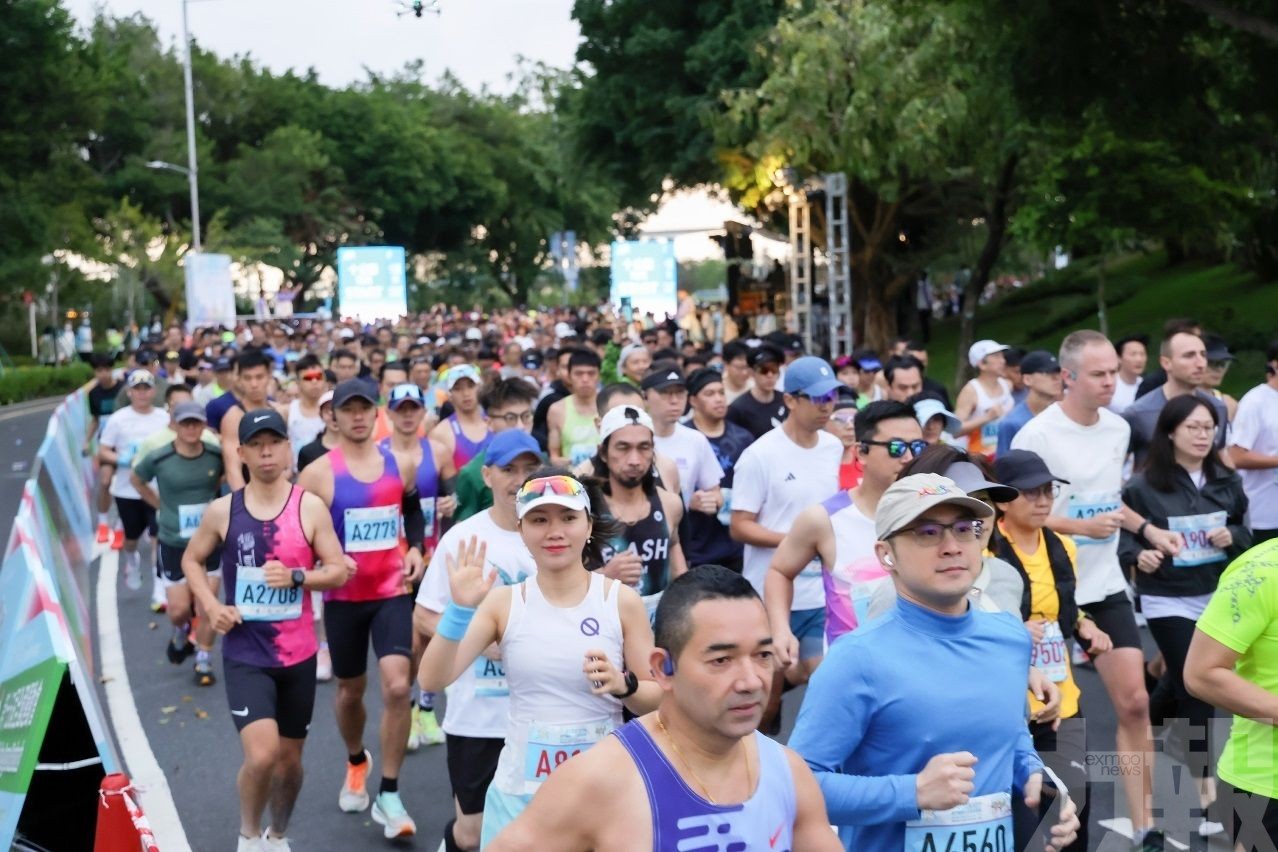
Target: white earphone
887,560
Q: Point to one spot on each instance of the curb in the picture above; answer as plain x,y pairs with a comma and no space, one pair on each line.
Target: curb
31,404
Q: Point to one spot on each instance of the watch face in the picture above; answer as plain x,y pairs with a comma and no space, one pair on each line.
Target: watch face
299,576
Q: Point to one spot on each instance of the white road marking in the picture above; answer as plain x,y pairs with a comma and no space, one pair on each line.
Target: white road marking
156,797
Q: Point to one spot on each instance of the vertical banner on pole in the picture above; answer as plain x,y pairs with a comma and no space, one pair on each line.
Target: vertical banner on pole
645,271
372,283
210,294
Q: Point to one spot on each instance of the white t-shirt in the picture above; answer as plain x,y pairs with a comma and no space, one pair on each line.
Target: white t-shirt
1091,458
302,429
125,432
478,701
1124,395
1256,429
777,479
698,466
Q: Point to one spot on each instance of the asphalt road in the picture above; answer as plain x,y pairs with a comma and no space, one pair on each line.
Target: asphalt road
194,740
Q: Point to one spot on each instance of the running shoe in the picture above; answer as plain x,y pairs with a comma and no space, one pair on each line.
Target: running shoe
178,652
132,572
426,726
104,533
354,795
274,844
1153,841
388,811
323,665
249,844
1210,828
117,540
204,673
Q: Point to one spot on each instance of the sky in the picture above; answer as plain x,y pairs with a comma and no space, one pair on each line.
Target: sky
478,40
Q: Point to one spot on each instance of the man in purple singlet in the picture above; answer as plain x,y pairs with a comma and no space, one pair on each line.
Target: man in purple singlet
696,769
465,432
279,546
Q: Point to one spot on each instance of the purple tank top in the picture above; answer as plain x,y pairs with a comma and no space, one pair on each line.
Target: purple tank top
427,482
464,449
368,519
681,819
278,629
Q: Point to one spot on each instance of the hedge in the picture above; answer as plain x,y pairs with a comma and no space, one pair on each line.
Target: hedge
19,384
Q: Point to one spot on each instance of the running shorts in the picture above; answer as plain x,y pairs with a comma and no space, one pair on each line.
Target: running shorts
285,694
1115,616
350,625
472,763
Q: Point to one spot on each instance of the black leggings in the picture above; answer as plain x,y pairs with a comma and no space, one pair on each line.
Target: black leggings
1170,699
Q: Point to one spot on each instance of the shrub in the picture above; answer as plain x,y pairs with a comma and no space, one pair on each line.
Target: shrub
20,384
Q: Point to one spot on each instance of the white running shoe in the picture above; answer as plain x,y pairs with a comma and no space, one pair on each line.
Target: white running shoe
1210,828
132,571
249,844
274,844
354,795
388,811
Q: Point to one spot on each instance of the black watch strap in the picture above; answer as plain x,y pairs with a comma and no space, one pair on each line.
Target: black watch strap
632,684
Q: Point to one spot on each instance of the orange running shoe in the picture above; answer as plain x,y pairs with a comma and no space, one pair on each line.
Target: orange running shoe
354,795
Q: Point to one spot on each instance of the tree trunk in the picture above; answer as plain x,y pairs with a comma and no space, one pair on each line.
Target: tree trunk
1102,315
995,237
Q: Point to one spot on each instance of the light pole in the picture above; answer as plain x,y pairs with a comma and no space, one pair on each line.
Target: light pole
193,172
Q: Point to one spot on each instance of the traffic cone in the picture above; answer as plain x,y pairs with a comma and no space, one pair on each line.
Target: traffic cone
122,827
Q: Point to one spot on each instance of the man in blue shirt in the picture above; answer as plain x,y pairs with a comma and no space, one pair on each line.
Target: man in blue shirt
926,755
1041,373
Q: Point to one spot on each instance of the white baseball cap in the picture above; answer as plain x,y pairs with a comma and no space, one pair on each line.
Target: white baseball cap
977,351
621,417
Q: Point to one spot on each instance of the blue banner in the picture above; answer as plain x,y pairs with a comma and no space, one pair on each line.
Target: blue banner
645,272
371,282
210,293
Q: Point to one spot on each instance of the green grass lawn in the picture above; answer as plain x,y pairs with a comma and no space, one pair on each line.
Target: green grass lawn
1143,293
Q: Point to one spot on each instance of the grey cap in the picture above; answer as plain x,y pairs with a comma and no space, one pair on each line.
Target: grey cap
911,496
970,478
189,410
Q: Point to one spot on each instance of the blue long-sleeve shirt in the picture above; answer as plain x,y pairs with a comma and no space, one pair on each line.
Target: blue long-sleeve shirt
901,690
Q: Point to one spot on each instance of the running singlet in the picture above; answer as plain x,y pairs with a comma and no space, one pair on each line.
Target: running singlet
851,580
464,449
649,539
683,820
580,436
553,714
985,439
428,490
278,627
369,523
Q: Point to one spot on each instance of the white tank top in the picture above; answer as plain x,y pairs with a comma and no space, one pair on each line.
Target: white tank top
553,714
302,429
985,439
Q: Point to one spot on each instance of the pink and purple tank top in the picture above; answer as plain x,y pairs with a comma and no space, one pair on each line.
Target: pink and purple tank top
464,449
368,518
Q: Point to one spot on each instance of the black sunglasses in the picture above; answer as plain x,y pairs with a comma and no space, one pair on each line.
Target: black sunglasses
896,447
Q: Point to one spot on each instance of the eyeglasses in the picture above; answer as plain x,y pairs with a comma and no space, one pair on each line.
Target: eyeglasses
563,486
1198,428
844,419
896,447
931,533
827,398
512,418
313,375
1218,365
1050,490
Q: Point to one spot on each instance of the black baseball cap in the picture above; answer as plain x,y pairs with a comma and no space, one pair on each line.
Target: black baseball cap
699,380
1022,469
262,420
1039,361
765,353
663,379
531,360
354,389
146,356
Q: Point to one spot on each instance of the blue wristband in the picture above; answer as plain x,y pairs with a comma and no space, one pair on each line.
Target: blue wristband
453,623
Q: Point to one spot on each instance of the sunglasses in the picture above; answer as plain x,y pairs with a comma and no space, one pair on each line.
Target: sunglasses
768,370
827,398
313,375
1050,490
896,447
931,533
559,485
844,419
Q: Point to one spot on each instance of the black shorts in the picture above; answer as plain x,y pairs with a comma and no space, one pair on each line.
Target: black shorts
472,763
285,694
135,516
350,624
168,564
1251,817
1115,616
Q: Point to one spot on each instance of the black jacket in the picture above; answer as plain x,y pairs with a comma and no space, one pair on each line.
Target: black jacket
1224,493
1062,573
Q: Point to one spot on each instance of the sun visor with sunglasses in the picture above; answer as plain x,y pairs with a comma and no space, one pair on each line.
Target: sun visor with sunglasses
556,490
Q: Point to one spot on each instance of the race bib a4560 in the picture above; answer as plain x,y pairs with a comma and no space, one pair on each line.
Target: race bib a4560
984,824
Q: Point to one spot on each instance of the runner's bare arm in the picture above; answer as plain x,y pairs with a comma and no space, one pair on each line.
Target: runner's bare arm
1211,676
335,567
207,537
811,822
317,478
446,660
636,649
964,408
230,433
1245,459
145,491
669,472
443,435
674,512
555,819
555,432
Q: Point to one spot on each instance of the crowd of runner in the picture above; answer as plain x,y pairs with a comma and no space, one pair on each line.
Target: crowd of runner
592,557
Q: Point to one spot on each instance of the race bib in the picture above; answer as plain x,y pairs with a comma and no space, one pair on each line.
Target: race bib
1196,548
551,745
580,453
259,602
1085,506
372,528
1050,654
428,511
189,518
725,513
989,438
984,824
490,678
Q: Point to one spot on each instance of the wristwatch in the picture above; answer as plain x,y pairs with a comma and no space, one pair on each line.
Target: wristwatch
299,577
632,684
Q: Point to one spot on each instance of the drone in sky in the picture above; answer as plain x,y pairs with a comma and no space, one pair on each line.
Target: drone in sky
417,7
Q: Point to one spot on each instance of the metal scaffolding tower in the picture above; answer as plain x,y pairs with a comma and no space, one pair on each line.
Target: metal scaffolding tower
801,264
838,273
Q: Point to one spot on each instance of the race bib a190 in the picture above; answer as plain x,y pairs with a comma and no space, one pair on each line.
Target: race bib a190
983,824
371,528
257,601
1196,548
1087,505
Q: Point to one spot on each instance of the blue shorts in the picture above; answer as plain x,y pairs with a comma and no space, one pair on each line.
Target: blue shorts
500,810
808,626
